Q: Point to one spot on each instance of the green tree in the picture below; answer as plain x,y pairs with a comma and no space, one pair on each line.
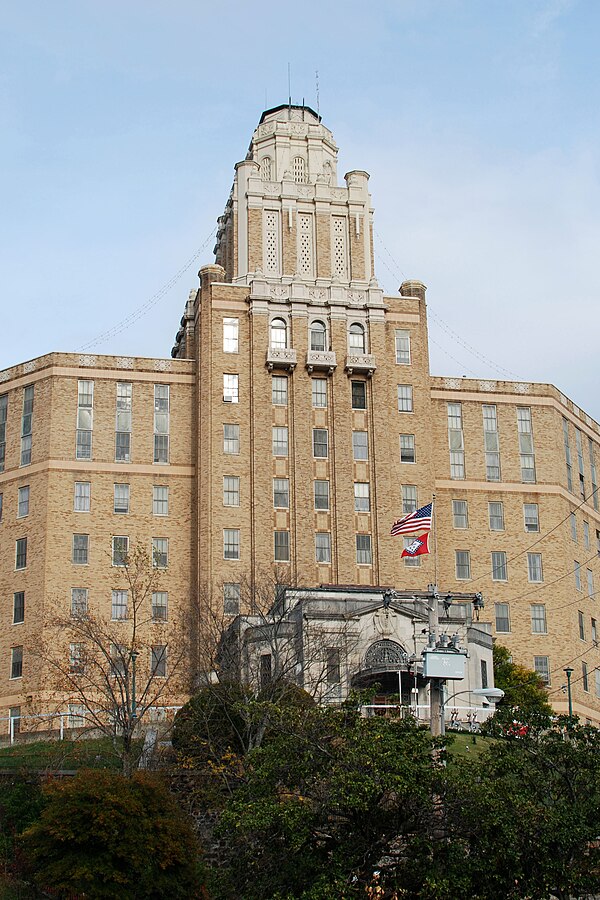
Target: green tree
104,836
525,697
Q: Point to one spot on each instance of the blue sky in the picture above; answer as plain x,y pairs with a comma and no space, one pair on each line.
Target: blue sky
477,119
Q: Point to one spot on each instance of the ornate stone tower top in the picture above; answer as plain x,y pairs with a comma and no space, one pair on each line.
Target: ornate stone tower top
287,219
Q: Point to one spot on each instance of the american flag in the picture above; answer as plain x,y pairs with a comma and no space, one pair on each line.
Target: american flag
419,520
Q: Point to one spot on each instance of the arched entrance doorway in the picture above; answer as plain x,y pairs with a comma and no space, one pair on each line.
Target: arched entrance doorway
387,665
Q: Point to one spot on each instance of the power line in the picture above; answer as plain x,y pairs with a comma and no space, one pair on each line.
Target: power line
142,310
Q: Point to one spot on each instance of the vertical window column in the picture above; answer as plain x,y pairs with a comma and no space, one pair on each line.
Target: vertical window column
579,444
161,423
85,419
526,450
593,475
456,441
27,425
3,417
567,455
491,443
123,423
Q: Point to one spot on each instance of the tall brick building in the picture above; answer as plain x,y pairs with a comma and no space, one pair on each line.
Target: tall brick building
295,421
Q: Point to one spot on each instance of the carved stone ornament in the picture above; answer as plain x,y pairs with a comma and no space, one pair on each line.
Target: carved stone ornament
385,653
305,190
521,388
453,383
285,358
338,193
87,359
5,376
360,362
162,365
317,294
125,362
487,385
357,296
271,187
279,292
29,366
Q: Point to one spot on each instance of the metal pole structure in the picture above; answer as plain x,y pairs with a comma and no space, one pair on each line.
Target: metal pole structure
435,685
568,672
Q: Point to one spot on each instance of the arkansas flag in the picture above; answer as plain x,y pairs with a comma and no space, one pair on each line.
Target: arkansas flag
417,547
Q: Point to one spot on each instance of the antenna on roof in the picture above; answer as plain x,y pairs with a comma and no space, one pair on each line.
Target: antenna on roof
289,87
317,83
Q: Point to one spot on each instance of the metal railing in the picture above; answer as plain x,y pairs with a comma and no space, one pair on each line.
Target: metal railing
59,722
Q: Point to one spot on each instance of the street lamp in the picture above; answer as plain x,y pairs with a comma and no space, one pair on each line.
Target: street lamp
494,694
568,672
134,656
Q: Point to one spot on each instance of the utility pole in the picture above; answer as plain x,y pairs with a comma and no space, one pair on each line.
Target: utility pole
436,685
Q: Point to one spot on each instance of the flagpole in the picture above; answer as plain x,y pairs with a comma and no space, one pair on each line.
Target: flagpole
435,559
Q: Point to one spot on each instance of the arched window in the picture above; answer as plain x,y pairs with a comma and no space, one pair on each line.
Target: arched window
357,341
278,334
317,336
385,653
265,168
299,169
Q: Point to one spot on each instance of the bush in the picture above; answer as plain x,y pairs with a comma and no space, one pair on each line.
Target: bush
106,836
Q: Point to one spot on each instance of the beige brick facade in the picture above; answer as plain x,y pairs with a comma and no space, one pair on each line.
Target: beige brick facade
337,410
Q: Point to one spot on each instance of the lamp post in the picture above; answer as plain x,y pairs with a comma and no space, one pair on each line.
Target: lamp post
493,694
568,672
134,656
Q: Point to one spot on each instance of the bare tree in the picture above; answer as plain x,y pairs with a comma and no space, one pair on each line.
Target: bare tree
113,669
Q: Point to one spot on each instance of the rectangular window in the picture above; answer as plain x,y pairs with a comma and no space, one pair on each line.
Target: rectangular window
320,443
18,607
319,393
16,662
120,549
79,601
360,446
581,622
83,496
21,553
590,582
332,665
460,514
407,448
231,329
27,425
573,523
586,535
121,498
118,661
282,546
403,348
85,419
231,543
405,398
76,659
410,561
534,567
162,407
409,498
323,547
158,661
23,502
281,493
14,720
580,466
231,439
119,604
584,677
502,611
3,418
280,440
594,634
321,494
456,443
568,455
231,598
363,549
362,500
463,564
531,517
538,618
160,605
160,553
123,422
499,568
491,443
496,515
541,667
593,475
359,394
231,490
279,390
577,571
160,500
526,450
231,389
266,668
484,674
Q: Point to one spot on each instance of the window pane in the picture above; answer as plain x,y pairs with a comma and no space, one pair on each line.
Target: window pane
409,498
502,617
160,500
121,498
160,553
499,570
280,441
23,502
120,549
363,549
231,543
231,599
231,439
319,393
534,566
320,443
323,548
460,514
82,499
231,388
231,490
362,501
463,564
407,448
496,515
279,390
80,549
360,447
21,553
405,398
282,546
321,494
281,493
119,604
230,335
403,348
359,394
538,618
160,605
531,516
